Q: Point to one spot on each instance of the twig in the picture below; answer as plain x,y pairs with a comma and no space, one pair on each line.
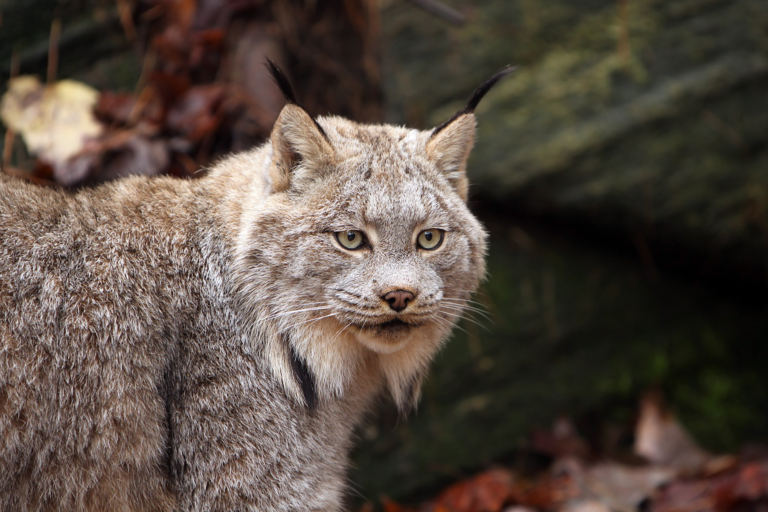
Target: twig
150,59
53,50
125,10
147,93
441,10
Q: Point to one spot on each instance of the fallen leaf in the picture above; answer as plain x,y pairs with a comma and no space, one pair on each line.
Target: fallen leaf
118,154
586,506
661,440
55,121
391,506
196,112
752,481
620,487
115,107
719,464
487,492
744,488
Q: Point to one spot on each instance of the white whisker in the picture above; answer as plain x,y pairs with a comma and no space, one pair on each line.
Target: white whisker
465,318
456,307
311,320
281,314
340,331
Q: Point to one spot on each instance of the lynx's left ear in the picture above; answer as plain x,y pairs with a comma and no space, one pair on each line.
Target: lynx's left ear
299,144
450,143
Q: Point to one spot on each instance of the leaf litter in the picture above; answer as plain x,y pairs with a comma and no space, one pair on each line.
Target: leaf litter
204,91
669,473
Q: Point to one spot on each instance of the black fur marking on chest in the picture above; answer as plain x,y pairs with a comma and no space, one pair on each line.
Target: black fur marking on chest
305,379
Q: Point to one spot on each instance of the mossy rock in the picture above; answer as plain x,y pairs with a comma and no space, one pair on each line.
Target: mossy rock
647,119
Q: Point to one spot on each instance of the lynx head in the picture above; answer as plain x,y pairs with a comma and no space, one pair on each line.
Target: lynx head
357,252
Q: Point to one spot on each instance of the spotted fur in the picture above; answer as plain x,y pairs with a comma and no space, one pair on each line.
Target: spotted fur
208,344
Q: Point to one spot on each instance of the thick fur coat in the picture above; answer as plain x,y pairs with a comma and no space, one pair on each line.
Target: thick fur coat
211,344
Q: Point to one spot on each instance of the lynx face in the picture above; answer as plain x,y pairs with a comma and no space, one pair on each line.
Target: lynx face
398,249
358,253
365,246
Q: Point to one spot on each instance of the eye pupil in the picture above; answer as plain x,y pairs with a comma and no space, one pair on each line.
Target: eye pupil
350,240
430,239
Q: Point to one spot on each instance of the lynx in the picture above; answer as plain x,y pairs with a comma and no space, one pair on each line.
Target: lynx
211,344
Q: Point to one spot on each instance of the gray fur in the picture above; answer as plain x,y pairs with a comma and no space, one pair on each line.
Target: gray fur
147,327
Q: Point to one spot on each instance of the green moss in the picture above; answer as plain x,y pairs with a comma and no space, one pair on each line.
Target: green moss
651,120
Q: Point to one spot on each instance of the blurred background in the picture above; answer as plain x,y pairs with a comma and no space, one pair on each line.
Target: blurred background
622,172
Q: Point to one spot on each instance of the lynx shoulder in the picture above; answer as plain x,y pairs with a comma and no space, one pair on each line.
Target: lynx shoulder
212,344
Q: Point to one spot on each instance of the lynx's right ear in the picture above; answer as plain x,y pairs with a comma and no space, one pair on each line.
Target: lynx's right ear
299,144
450,143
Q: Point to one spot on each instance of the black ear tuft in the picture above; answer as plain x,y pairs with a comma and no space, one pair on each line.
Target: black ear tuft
285,87
282,81
474,100
485,87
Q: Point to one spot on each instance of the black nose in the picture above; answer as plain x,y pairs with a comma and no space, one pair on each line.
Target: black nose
398,299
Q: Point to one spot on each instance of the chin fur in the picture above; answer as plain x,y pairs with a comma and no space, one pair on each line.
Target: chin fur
349,360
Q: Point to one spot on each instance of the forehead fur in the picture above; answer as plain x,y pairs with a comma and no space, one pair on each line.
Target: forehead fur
382,172
383,148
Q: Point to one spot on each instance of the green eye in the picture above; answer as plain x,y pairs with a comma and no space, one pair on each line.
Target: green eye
430,239
350,239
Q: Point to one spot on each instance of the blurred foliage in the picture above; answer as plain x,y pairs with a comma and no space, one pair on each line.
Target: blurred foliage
91,32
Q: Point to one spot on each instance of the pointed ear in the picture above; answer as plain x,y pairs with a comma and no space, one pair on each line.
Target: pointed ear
299,147
449,149
450,143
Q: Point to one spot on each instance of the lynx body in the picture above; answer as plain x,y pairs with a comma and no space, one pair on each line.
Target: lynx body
212,344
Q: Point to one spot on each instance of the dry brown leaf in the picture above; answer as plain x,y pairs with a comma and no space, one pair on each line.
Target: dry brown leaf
391,506
752,482
116,107
620,487
487,492
734,491
196,112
